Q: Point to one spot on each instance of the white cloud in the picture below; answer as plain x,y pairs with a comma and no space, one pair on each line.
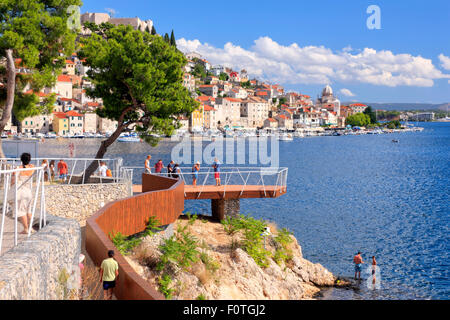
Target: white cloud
293,64
445,61
112,12
347,92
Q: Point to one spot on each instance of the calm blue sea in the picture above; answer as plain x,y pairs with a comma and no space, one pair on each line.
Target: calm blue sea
351,193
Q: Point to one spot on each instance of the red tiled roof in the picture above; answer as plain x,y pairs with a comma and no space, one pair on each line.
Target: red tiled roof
282,116
72,113
64,78
261,93
271,119
358,105
233,99
60,115
208,108
69,61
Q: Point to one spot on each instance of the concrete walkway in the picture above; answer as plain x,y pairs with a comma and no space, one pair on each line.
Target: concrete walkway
8,234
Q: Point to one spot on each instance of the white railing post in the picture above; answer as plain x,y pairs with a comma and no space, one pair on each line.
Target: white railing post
15,208
6,183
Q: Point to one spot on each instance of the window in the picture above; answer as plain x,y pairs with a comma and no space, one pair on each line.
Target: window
26,123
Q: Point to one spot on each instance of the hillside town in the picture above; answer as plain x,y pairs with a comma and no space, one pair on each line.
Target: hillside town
229,99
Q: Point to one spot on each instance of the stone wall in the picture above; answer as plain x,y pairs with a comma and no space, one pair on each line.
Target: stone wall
81,201
36,268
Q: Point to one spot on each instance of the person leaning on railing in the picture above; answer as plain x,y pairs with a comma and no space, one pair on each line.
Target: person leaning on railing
24,193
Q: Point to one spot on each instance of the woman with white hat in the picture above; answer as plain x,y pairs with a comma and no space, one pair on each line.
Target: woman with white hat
195,170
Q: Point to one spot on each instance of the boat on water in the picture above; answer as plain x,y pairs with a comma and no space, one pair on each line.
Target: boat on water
132,137
285,137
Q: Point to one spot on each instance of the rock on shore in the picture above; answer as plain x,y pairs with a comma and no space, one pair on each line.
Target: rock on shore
239,276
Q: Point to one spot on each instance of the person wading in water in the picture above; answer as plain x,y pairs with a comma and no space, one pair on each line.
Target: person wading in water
358,264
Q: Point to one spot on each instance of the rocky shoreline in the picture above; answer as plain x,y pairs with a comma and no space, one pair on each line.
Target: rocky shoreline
230,272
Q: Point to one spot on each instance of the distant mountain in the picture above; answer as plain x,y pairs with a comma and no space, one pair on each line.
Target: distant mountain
405,106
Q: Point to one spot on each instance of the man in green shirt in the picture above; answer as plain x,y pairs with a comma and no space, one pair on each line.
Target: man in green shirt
109,271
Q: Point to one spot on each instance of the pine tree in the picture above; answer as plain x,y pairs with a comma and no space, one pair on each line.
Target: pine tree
153,30
147,29
166,38
172,40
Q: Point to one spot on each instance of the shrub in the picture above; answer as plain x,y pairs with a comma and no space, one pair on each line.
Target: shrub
164,282
123,243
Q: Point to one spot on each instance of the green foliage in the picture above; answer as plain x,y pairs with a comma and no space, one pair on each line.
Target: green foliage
180,250
199,71
37,33
246,84
372,115
201,297
152,226
139,78
123,243
253,242
223,76
283,253
210,263
393,124
164,282
358,120
173,42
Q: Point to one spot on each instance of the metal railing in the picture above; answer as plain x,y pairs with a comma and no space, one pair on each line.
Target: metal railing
10,190
270,179
75,166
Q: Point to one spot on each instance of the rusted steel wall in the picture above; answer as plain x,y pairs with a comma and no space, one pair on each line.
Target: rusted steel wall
164,199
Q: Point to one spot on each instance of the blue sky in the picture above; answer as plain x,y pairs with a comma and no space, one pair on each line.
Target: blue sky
398,63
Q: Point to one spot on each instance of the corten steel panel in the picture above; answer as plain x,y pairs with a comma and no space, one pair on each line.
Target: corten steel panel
129,216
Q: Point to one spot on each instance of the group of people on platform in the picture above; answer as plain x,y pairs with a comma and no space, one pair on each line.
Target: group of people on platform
174,170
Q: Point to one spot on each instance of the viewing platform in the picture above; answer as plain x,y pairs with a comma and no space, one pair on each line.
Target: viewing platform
236,183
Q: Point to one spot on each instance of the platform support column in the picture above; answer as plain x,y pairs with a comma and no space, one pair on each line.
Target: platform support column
221,208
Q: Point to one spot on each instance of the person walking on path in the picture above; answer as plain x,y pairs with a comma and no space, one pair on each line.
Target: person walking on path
109,272
45,165
62,168
147,165
158,166
195,170
52,170
24,193
358,261
216,166
170,168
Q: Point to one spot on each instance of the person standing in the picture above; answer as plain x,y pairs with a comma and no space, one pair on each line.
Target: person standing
147,165
109,272
62,168
216,166
374,269
358,261
176,171
158,166
102,169
52,170
45,165
24,192
195,170
170,167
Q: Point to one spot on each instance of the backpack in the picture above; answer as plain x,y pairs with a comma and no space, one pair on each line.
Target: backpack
108,173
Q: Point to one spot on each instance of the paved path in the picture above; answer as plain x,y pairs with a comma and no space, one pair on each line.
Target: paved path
8,234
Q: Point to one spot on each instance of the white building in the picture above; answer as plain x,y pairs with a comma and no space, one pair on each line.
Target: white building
328,101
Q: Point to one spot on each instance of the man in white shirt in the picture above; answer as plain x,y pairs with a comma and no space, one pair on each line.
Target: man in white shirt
103,168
